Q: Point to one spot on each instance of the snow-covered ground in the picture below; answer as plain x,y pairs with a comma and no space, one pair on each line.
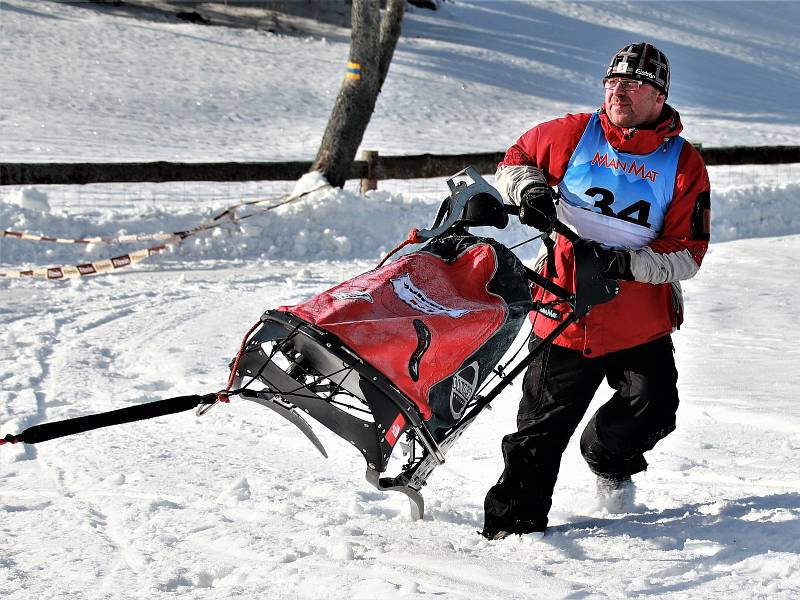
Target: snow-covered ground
238,503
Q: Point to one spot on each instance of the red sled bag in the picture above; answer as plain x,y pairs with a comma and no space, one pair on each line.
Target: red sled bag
435,322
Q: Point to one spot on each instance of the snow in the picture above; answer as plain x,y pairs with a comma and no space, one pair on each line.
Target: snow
30,198
237,502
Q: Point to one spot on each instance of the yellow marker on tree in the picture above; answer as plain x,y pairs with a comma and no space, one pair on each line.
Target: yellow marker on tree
353,70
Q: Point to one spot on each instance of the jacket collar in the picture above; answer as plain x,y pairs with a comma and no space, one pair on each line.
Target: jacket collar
646,140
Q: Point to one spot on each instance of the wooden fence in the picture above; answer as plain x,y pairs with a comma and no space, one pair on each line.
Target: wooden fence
374,168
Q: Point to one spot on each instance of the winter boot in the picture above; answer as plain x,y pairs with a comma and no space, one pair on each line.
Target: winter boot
615,494
535,529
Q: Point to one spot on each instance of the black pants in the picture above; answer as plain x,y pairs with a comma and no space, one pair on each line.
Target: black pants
557,390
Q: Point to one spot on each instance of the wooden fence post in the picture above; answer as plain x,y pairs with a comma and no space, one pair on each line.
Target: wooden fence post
371,182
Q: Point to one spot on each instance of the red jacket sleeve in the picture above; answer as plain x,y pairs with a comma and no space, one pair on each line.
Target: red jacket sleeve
548,146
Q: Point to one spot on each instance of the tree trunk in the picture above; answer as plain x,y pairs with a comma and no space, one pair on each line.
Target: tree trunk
391,24
372,44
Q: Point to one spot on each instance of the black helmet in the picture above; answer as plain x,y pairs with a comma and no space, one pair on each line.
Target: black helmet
643,62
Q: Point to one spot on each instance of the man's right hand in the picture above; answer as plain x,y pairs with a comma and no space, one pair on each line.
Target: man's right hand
612,263
537,208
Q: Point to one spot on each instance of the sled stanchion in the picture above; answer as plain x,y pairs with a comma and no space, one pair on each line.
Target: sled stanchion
429,443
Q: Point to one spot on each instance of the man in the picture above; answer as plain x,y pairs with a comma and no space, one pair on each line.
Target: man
628,182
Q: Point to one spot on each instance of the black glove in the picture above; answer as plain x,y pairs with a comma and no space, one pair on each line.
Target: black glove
613,263
537,208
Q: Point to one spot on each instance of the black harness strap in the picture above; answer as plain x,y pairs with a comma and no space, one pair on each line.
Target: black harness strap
548,285
150,410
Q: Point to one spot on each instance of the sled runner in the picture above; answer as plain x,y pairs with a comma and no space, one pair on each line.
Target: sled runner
408,353
402,351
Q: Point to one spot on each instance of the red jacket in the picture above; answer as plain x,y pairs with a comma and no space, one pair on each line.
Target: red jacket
650,306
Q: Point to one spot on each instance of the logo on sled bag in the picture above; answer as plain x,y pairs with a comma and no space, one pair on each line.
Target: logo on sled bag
418,300
354,295
464,384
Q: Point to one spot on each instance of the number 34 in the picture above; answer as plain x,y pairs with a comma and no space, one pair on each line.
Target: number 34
637,213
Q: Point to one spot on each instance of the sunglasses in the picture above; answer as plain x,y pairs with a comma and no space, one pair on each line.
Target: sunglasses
627,85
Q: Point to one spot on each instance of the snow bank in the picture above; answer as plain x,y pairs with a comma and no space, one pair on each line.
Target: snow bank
755,211
30,198
330,224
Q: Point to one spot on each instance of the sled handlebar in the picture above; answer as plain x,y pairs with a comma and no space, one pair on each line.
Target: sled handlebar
558,226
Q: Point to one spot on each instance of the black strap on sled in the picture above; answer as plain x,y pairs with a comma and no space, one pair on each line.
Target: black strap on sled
150,410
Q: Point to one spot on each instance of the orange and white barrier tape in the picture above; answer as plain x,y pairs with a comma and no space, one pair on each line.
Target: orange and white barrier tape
173,239
119,239
93,268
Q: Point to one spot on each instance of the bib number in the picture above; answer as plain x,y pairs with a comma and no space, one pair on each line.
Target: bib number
637,213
